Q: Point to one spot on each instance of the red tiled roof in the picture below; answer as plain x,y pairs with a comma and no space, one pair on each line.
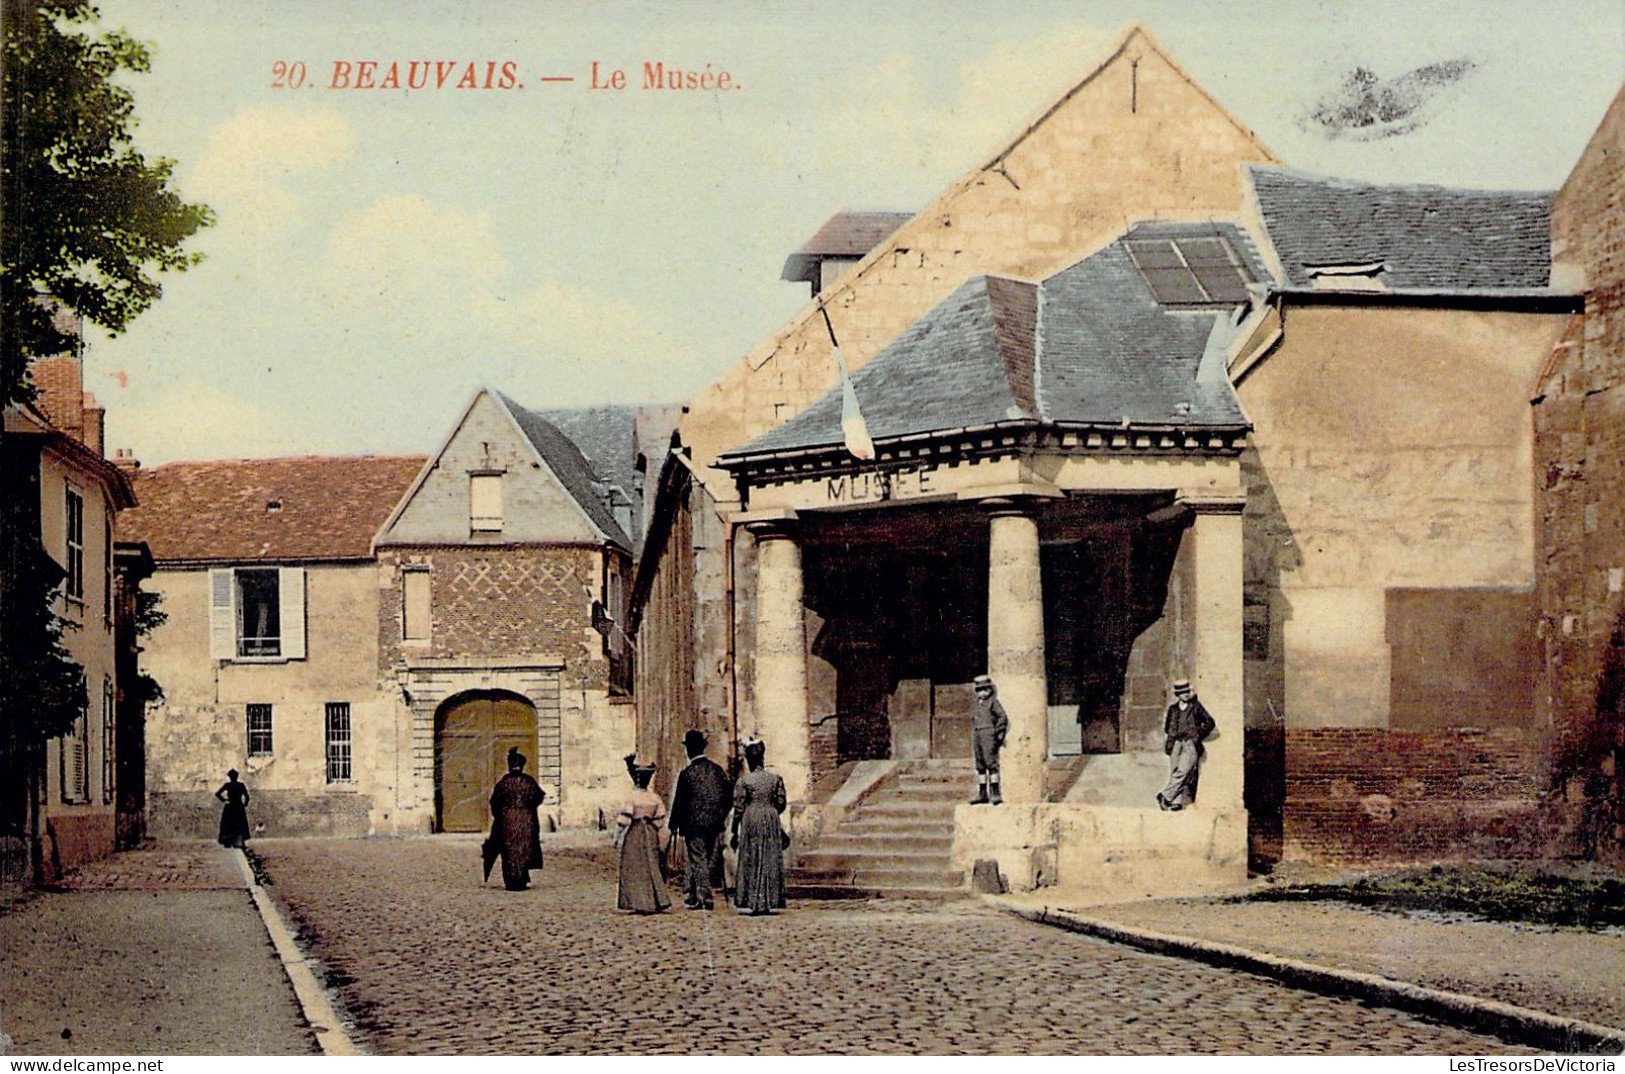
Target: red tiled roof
243,510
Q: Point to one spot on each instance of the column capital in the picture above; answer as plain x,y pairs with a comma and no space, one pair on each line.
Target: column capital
1015,498
779,523
1212,503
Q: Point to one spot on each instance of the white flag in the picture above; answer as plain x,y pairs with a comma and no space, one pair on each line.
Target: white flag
853,429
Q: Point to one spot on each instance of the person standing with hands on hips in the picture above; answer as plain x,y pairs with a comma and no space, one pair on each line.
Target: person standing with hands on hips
988,726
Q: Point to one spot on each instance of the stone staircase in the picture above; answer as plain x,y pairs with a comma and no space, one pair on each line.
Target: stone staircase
895,842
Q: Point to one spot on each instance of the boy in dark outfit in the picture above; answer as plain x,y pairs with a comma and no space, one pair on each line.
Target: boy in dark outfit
989,725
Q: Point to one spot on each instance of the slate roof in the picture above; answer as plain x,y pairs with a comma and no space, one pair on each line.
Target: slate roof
605,435
843,235
1088,346
584,484
1428,238
328,508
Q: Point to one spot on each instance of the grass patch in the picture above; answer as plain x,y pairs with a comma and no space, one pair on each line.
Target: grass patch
1524,896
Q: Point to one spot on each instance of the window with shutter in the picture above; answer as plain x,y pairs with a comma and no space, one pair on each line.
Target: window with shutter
257,613
107,741
74,769
291,589
222,614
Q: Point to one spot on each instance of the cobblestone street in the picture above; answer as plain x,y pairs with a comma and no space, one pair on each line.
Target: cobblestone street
428,961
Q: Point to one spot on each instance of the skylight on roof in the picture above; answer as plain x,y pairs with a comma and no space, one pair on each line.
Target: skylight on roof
1191,270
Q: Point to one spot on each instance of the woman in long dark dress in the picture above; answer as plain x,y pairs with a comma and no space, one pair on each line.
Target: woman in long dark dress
234,818
642,888
759,798
515,830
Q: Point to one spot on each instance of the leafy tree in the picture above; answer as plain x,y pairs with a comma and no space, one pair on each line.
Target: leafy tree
87,219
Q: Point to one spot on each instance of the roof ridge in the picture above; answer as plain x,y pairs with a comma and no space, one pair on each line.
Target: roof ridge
391,456
1348,181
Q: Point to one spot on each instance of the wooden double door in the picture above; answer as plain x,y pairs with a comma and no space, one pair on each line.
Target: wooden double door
473,734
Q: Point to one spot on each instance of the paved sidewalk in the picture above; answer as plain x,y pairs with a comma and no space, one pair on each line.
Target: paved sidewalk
150,951
1571,975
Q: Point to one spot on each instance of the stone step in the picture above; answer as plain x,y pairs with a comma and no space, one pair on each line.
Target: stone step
888,841
942,812
796,889
881,879
900,825
933,792
828,860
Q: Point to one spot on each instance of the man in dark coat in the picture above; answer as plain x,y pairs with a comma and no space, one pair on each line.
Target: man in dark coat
989,724
516,833
699,807
1186,727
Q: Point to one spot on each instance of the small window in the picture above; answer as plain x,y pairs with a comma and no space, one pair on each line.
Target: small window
259,730
76,544
338,742
415,608
108,749
1191,270
485,503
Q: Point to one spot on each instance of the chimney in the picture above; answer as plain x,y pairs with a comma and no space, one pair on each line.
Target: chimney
125,460
61,393
95,414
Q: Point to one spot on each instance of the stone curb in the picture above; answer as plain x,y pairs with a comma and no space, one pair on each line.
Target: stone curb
1519,1025
324,1020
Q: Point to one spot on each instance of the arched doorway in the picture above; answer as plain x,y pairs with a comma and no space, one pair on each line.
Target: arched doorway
472,735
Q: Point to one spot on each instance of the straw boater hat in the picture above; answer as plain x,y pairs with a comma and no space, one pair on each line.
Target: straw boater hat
1182,686
983,680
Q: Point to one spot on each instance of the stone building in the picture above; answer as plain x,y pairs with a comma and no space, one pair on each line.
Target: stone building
490,569
55,462
364,638
1580,474
1145,405
269,658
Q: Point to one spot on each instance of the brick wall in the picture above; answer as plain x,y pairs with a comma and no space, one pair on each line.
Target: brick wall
1580,486
60,382
496,602
1377,796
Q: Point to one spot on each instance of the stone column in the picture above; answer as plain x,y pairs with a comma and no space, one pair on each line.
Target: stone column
1015,647
781,657
1216,567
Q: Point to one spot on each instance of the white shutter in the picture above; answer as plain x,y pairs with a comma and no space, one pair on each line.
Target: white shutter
291,611
81,769
222,614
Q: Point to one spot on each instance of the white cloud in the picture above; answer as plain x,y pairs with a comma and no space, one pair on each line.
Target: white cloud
191,420
891,114
256,166
434,285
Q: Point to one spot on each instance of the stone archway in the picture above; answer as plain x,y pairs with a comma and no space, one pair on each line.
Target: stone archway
472,735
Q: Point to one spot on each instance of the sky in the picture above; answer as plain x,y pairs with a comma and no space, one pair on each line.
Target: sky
382,253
